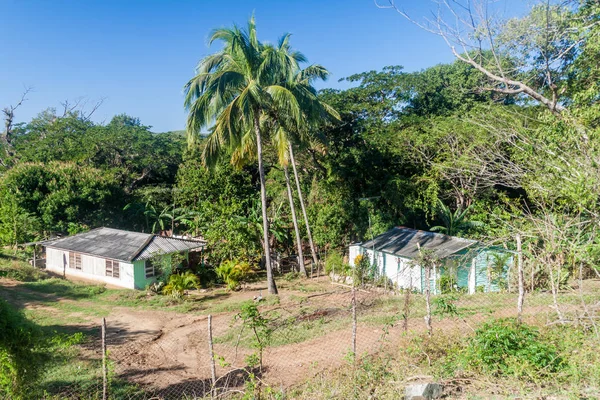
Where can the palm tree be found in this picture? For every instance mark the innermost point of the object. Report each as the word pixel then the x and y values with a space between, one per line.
pixel 314 112
pixel 454 222
pixel 234 89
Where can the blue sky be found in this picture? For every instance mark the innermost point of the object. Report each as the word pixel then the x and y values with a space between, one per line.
pixel 138 54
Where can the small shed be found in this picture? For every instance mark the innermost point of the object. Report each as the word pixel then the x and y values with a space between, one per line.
pixel 114 256
pixel 472 265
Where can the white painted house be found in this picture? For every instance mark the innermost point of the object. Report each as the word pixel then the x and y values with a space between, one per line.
pixel 396 254
pixel 113 256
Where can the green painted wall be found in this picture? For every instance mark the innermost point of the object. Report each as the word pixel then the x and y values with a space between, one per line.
pixel 483 257
pixel 139 275
pixel 139 271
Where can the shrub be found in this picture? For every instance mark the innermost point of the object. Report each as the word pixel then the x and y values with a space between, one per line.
pixel 448 283
pixel 334 263
pixel 234 273
pixel 363 270
pixel 292 276
pixel 21 271
pixel 179 283
pixel 503 347
pixel 445 306
pixel 20 362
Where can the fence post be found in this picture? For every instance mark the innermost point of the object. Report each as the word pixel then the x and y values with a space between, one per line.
pixel 353 323
pixel 428 297
pixel 104 367
pixel 213 371
pixel 427 289
pixel 521 281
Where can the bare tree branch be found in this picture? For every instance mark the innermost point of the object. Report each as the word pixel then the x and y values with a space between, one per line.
pixel 473 22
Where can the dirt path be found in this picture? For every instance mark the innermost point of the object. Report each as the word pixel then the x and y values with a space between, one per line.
pixel 168 351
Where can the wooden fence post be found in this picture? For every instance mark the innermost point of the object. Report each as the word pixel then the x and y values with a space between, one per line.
pixel 213 371
pixel 104 366
pixel 521 280
pixel 353 323
pixel 427 290
pixel 428 298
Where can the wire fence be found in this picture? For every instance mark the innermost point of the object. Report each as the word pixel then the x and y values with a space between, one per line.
pixel 288 340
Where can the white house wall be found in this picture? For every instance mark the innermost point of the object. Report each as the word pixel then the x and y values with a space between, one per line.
pixel 92 268
pixel 399 270
pixel 352 253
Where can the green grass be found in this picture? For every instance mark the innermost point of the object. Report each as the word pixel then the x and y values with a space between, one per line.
pixel 19 270
pixel 97 301
pixel 383 376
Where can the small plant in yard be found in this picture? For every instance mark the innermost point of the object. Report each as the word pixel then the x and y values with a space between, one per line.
pixel 292 276
pixel 448 281
pixel 445 306
pixel 180 283
pixel 363 270
pixel 334 264
pixel 234 273
pixel 259 325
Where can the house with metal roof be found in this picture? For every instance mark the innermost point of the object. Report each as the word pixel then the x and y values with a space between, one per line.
pixel 470 265
pixel 113 256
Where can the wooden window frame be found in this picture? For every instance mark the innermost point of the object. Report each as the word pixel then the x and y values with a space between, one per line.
pixel 112 268
pixel 149 266
pixel 75 261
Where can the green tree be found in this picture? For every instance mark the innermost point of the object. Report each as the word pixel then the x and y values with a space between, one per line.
pixel 454 222
pixel 236 88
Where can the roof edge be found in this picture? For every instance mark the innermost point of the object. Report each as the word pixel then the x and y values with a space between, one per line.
pixel 143 246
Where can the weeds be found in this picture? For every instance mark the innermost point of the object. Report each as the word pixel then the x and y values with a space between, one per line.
pixel 21 271
pixel 503 347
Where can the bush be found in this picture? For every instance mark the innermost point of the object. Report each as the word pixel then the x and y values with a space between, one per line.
pixel 179 283
pixel 234 273
pixel 292 276
pixel 448 283
pixel 445 306
pixel 363 270
pixel 20 362
pixel 21 271
pixel 334 263
pixel 503 347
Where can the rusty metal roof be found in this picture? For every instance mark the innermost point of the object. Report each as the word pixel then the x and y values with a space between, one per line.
pixel 403 242
pixel 122 245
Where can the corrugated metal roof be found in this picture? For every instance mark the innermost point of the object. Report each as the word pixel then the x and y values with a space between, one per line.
pixel 122 245
pixel 166 245
pixel 403 242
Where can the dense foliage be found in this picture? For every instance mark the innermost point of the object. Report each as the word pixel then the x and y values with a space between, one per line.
pixel 20 358
pixel 426 149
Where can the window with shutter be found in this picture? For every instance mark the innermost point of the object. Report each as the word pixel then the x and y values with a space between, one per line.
pixel 149 269
pixel 75 260
pixel 112 268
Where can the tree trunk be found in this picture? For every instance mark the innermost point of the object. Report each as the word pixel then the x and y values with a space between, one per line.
pixel 296 229
pixel 263 200
pixel 308 232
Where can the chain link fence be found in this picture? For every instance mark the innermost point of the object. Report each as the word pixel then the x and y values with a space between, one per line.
pixel 294 338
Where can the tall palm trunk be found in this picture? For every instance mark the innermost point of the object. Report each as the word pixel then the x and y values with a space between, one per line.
pixel 308 232
pixel 296 229
pixel 263 200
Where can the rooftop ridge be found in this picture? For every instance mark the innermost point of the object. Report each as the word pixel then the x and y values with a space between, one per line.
pixel 434 234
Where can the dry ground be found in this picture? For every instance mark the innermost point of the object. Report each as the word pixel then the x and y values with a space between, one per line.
pixel 164 346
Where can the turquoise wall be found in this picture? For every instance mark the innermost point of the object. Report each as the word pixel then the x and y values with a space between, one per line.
pixel 139 275
pixel 483 257
pixel 139 271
